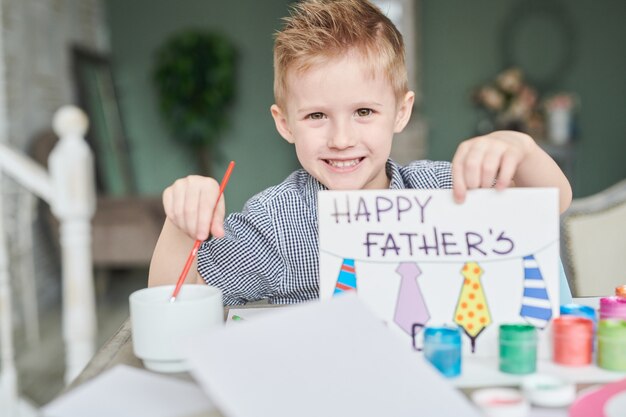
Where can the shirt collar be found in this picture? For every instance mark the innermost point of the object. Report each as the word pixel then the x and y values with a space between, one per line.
pixel 396 182
pixel 312 186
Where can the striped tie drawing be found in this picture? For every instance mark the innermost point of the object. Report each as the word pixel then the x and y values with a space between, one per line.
pixel 346 281
pixel 410 308
pixel 536 307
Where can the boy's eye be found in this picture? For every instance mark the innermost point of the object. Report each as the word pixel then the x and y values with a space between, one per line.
pixel 316 116
pixel 364 112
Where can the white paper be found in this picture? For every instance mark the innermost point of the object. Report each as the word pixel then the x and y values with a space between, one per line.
pixel 320 359
pixel 124 391
pixel 381 232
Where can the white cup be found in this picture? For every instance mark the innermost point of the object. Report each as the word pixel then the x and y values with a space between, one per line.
pixel 162 329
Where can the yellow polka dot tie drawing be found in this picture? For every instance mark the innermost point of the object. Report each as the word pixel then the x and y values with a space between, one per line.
pixel 472 312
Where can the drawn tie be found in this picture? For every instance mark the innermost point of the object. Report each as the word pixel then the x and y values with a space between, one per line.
pixel 472 312
pixel 346 281
pixel 536 308
pixel 410 308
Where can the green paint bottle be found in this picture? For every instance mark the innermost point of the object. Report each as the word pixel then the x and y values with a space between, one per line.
pixel 518 348
pixel 612 344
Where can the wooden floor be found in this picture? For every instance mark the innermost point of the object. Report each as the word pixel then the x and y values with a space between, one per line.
pixel 41 366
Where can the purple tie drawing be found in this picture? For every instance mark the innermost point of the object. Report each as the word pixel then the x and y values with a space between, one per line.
pixel 410 308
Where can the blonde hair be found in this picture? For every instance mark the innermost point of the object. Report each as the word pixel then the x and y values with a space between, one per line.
pixel 318 30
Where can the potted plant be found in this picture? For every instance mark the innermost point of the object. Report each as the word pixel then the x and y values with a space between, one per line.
pixel 194 75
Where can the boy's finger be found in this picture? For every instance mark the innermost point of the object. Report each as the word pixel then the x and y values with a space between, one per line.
pixel 458 183
pixel 167 201
pixel 217 224
pixel 490 165
pixel 205 212
pixel 459 190
pixel 178 206
pixel 472 168
pixel 192 199
pixel 507 170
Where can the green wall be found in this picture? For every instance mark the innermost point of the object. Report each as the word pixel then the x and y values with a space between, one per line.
pixel 138 28
pixel 461 49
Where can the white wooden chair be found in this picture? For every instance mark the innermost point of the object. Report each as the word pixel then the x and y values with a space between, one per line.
pixel 69 188
pixel 593 242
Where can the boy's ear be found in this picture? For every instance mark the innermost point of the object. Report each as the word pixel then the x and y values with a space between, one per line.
pixel 404 111
pixel 280 119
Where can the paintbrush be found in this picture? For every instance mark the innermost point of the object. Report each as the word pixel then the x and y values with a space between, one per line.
pixel 197 243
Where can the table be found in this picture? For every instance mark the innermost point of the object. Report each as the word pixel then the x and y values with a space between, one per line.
pixel 118 350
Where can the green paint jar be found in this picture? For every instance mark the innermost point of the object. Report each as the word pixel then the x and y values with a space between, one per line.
pixel 612 344
pixel 518 348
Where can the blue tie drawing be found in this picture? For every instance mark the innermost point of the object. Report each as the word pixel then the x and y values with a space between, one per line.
pixel 346 281
pixel 536 307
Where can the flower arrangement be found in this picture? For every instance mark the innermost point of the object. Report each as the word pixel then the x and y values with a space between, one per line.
pixel 509 102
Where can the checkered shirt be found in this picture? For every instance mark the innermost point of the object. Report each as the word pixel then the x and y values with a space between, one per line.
pixel 270 250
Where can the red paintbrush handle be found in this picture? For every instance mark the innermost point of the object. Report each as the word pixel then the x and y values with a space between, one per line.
pixel 183 274
pixel 197 243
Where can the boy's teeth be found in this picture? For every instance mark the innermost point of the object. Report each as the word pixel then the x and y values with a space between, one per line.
pixel 343 164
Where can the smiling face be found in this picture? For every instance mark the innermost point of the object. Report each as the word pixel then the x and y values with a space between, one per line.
pixel 341 118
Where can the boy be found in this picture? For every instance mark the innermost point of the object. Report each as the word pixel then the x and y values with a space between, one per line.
pixel 341 93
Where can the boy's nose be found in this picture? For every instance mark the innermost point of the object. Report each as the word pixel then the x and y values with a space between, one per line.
pixel 341 136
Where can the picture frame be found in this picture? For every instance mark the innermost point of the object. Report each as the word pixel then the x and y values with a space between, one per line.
pixel 97 96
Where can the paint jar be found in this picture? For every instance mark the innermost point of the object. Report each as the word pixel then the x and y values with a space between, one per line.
pixel 518 348
pixel 612 308
pixel 582 311
pixel 548 391
pixel 620 291
pixel 501 402
pixel 572 340
pixel 612 344
pixel 442 348
pixel 579 310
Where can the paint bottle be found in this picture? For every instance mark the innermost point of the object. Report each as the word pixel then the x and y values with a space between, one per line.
pixel 579 310
pixel 442 348
pixel 620 291
pixel 518 348
pixel 582 311
pixel 572 340
pixel 612 344
pixel 613 308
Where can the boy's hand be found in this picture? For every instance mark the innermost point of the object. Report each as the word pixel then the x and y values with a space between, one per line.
pixel 190 205
pixel 488 161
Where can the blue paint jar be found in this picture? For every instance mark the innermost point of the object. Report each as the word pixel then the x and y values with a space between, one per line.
pixel 442 348
pixel 580 311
